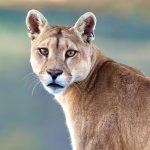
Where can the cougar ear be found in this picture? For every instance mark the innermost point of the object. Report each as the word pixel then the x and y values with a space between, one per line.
pixel 85 26
pixel 35 22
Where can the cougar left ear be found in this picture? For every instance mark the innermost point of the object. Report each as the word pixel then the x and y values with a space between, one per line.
pixel 85 26
pixel 35 22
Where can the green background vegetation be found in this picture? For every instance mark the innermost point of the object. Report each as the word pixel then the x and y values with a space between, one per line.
pixel 37 122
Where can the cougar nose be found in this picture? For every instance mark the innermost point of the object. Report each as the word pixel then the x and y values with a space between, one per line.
pixel 54 73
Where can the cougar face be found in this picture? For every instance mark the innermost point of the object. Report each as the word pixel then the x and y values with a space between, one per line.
pixel 60 56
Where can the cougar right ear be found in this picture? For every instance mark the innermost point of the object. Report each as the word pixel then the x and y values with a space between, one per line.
pixel 35 22
pixel 86 26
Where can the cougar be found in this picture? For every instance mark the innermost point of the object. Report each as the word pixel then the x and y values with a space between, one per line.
pixel 106 103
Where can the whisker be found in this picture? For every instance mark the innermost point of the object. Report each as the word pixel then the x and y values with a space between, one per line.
pixel 32 79
pixel 33 82
pixel 35 87
pixel 29 74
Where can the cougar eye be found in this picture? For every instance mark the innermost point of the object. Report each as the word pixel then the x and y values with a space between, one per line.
pixel 70 53
pixel 43 51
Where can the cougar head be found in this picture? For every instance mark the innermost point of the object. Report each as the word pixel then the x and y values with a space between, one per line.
pixel 60 56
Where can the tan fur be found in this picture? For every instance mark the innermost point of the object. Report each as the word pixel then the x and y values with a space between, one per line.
pixel 109 109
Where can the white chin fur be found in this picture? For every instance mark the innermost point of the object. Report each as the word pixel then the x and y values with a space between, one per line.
pixel 53 91
pixel 61 80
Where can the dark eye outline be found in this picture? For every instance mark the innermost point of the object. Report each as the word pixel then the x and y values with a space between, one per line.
pixel 43 51
pixel 67 55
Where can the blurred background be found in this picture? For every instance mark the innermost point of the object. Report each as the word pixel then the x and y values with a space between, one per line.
pixel 30 119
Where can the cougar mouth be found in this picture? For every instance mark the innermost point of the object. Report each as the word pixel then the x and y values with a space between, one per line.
pixel 54 85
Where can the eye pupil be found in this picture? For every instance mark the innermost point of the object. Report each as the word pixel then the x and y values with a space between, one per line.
pixel 70 53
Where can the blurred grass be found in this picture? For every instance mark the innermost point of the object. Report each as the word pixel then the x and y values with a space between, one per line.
pixel 36 122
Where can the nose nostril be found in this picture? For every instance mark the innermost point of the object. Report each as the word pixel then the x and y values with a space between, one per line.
pixel 54 73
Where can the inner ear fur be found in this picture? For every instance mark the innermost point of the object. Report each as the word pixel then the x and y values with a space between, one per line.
pixel 35 22
pixel 86 26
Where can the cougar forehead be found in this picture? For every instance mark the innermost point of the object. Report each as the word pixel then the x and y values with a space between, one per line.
pixel 57 32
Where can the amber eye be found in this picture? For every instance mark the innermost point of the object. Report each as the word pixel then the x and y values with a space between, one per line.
pixel 70 53
pixel 43 51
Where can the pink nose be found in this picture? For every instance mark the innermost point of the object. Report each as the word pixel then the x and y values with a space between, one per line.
pixel 54 73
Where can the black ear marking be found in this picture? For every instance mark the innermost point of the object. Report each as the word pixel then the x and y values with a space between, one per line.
pixel 34 25
pixel 85 26
pixel 35 22
pixel 88 31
